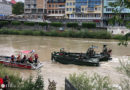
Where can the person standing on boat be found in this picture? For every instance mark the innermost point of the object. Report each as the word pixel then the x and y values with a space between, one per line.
pixel 12 58
pixel 36 58
pixel 104 49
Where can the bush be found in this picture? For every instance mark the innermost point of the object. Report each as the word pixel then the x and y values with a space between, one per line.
pixel 4 23
pixel 17 83
pixel 56 24
pixel 95 82
pixel 43 23
pixel 89 25
pixel 15 22
pixel 72 25
pixel 29 23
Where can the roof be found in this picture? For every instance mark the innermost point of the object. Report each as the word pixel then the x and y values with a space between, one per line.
pixel 13 2
pixel 54 15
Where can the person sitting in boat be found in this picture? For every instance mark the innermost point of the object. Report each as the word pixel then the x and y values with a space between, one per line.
pixel 36 58
pixel 12 58
pixel 90 52
pixel 18 58
pixel 62 52
pixel 24 59
pixel 30 59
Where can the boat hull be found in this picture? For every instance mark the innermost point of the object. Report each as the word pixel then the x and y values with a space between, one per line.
pixel 74 59
pixel 5 60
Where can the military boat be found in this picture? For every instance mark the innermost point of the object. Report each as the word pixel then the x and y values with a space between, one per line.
pixel 89 58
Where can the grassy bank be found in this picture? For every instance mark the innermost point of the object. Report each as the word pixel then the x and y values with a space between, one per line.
pixel 66 33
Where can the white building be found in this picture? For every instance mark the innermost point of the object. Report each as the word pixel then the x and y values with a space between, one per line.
pixel 5 8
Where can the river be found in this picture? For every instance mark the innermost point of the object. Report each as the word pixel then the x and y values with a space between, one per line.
pixel 12 44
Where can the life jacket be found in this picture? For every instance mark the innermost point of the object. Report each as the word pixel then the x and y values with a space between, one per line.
pixel 36 56
pixel 24 57
pixel 30 59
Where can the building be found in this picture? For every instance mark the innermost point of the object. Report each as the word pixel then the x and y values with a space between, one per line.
pixel 5 8
pixel 35 9
pixel 56 9
pixel 107 12
pixel 84 10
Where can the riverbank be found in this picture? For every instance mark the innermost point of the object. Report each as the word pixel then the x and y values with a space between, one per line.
pixel 67 33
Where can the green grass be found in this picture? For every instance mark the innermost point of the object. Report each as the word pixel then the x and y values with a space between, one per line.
pixel 66 33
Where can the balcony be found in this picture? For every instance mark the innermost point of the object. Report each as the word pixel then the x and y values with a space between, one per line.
pixel 90 18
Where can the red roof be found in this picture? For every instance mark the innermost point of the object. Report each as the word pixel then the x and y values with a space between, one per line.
pixel 13 1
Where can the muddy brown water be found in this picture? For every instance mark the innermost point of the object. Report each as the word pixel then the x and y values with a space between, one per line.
pixel 12 44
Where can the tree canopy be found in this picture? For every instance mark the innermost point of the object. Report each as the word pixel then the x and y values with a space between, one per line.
pixel 18 8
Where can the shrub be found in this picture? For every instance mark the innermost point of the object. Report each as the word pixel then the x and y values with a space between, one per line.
pixel 43 23
pixel 4 23
pixel 89 25
pixel 56 24
pixel 29 23
pixel 95 82
pixel 72 25
pixel 15 22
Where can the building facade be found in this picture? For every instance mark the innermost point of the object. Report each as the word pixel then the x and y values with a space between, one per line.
pixel 56 8
pixel 5 8
pixel 35 9
pixel 107 12
pixel 88 10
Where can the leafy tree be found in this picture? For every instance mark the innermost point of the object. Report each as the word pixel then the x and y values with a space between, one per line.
pixel 18 8
pixel 127 3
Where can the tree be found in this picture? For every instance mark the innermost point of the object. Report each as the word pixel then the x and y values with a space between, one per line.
pixel 117 8
pixel 127 3
pixel 18 8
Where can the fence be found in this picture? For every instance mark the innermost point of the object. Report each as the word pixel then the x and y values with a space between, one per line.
pixel 68 85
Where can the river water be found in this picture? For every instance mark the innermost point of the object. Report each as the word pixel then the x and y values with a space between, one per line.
pixel 12 44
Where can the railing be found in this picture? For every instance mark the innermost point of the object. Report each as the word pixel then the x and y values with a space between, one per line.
pixel 84 17
pixel 68 85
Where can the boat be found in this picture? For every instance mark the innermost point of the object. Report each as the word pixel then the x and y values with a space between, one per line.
pixel 89 58
pixel 6 61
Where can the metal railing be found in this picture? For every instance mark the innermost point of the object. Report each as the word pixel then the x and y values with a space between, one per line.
pixel 68 85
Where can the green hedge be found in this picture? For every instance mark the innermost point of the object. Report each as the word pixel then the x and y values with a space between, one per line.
pixel 56 24
pixel 73 25
pixel 42 23
pixel 89 25
pixel 4 22
pixel 29 23
pixel 15 22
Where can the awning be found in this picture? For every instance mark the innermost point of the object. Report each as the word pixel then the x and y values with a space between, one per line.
pixel 56 15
